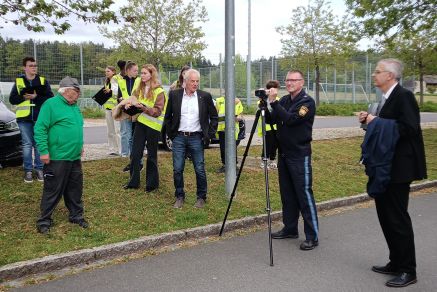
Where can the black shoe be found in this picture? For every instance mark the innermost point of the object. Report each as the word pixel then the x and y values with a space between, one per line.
pixel 44 229
pixel 388 269
pixel 284 234
pixel 403 280
pixel 126 187
pixel 309 244
pixel 127 168
pixel 81 222
pixel 150 189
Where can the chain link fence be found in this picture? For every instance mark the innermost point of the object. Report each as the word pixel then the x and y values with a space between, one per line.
pixel 345 83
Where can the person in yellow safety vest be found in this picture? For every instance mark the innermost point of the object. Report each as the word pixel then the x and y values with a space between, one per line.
pixel 29 92
pixel 151 99
pixel 220 106
pixel 126 86
pixel 113 126
pixel 271 144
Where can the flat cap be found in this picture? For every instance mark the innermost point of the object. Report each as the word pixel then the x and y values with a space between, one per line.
pixel 69 82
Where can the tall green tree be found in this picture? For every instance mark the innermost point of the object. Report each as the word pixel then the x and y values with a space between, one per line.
pixel 161 31
pixel 35 15
pixel 388 18
pixel 317 35
pixel 418 51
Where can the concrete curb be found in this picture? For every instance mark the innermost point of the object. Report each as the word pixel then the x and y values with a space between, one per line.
pixel 85 256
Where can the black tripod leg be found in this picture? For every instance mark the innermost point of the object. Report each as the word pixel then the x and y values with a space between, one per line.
pixel 258 113
pixel 266 177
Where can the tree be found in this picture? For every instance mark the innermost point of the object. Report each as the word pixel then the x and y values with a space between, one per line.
pixel 161 31
pixel 317 35
pixel 382 17
pixel 418 51
pixel 34 15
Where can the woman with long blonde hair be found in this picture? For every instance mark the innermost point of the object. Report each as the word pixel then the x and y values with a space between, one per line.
pixel 151 100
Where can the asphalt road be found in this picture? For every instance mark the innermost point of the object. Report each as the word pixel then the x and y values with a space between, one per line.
pixel 350 243
pixel 97 135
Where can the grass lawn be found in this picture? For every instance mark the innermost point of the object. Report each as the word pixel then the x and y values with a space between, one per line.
pixel 116 214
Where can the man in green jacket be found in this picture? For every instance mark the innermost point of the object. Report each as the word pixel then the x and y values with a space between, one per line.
pixel 59 139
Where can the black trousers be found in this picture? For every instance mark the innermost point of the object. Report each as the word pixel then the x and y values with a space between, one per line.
pixel 392 210
pixel 271 146
pixel 142 134
pixel 65 178
pixel 295 186
pixel 223 147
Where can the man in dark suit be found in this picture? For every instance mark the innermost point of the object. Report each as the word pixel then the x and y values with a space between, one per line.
pixel 408 164
pixel 191 120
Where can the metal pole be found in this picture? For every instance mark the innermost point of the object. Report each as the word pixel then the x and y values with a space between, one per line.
pixel 273 68
pixel 261 74
pixel 353 84
pixel 230 148
pixel 249 57
pixel 367 73
pixel 81 64
pixel 221 75
pixel 209 78
pixel 34 50
pixel 335 82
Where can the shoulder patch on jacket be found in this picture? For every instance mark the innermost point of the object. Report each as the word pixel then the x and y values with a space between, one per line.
pixel 303 111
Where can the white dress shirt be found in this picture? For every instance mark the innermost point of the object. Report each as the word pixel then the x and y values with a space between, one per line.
pixel 190 114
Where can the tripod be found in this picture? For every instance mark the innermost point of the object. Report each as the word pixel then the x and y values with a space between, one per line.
pixel 262 111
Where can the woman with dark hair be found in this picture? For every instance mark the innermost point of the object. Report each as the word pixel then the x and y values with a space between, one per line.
pixel 180 82
pixel 151 99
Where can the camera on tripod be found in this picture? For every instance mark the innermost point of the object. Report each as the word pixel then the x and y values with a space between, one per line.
pixel 262 94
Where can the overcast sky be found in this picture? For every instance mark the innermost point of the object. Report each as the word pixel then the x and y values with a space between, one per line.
pixel 266 16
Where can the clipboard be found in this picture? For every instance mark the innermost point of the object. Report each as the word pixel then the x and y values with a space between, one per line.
pixel 39 90
pixel 101 96
pixel 132 111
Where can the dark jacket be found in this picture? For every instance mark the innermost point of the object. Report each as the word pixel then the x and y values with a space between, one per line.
pixel 42 95
pixel 378 149
pixel 409 158
pixel 294 119
pixel 208 116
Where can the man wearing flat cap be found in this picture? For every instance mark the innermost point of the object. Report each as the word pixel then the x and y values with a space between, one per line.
pixel 59 138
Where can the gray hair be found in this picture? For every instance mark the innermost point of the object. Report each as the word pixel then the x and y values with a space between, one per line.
pixel 62 89
pixel 189 72
pixel 394 66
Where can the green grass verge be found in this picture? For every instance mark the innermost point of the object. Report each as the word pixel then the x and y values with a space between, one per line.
pixel 116 215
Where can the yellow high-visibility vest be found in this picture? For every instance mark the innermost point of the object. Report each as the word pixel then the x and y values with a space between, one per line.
pixel 23 108
pixel 268 127
pixel 220 105
pixel 123 86
pixel 112 101
pixel 152 122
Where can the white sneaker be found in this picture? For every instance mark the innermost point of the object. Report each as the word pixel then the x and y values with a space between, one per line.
pixel 273 165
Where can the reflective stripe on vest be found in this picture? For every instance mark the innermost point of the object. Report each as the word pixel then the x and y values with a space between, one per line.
pixel 152 122
pixel 220 105
pixel 23 108
pixel 123 87
pixel 112 101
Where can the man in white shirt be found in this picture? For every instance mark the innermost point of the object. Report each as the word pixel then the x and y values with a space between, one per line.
pixel 191 120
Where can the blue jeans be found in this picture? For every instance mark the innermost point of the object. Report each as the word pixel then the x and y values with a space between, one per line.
pixel 126 137
pixel 193 145
pixel 26 129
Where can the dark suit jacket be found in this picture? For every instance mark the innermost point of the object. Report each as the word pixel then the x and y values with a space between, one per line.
pixel 208 116
pixel 409 158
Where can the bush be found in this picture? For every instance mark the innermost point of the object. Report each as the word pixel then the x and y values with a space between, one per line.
pixel 428 106
pixel 93 112
pixel 431 88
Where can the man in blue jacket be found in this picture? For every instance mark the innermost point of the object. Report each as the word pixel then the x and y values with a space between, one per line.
pixel 408 164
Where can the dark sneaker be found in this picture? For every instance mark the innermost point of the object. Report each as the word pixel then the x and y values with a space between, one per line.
pixel 28 177
pixel 44 229
pixel 40 175
pixel 179 203
pixel 126 168
pixel 200 203
pixel 309 244
pixel 81 222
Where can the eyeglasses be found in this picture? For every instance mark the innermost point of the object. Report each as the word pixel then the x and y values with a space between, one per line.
pixel 379 72
pixel 293 80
